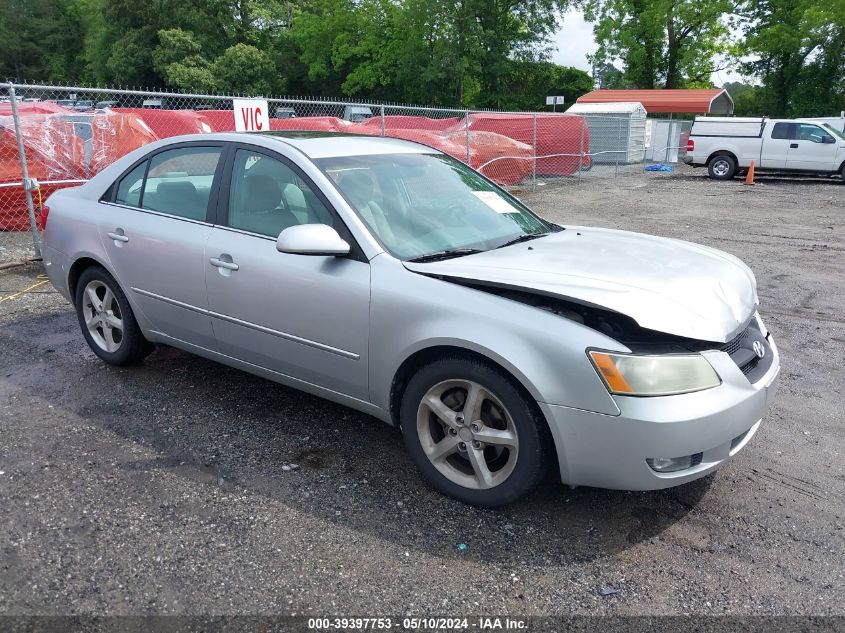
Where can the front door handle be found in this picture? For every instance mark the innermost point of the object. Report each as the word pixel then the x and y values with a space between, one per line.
pixel 793 145
pixel 118 236
pixel 222 263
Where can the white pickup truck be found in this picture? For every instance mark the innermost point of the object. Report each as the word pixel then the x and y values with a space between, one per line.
pixel 727 145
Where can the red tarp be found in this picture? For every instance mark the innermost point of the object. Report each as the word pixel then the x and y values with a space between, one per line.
pixel 218 120
pixel 558 137
pixel 393 122
pixel 37 107
pixel 502 159
pixel 166 123
pixel 312 124
pixel 63 146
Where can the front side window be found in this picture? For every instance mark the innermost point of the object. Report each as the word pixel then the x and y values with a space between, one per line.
pixel 267 196
pixel 812 133
pixel 420 204
pixel 179 181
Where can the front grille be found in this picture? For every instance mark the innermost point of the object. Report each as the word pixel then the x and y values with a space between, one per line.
pixel 740 349
pixel 695 460
pixel 734 344
pixel 748 367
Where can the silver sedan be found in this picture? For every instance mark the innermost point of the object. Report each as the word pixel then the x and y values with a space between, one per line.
pixel 386 276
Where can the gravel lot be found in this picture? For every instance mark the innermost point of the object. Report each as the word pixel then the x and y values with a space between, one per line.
pixel 182 486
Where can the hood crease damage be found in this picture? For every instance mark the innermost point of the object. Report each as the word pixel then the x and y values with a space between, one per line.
pixel 639 282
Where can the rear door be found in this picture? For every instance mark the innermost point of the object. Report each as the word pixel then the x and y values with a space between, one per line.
pixel 812 148
pixel 155 237
pixel 303 316
pixel 776 141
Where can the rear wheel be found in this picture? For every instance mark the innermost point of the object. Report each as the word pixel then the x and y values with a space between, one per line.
pixel 842 171
pixel 472 434
pixel 721 167
pixel 107 321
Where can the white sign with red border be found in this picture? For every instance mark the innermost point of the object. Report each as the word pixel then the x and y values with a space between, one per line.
pixel 251 115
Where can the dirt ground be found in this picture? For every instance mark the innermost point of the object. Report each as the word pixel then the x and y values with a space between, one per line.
pixel 184 487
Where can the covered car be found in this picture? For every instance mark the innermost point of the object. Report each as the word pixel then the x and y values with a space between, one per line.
pixel 561 139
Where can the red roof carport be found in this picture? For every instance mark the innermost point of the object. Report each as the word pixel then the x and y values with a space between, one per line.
pixel 675 101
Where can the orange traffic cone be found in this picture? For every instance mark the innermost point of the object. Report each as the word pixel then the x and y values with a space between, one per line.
pixel 749 177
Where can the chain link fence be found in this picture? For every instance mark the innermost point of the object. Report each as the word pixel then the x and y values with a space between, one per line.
pixel 57 136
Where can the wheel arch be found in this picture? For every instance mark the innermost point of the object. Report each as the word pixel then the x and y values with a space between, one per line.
pixel 433 352
pixel 722 152
pixel 79 266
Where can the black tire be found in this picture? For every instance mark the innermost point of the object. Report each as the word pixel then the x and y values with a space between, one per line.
pixel 842 172
pixel 721 167
pixel 132 347
pixel 535 444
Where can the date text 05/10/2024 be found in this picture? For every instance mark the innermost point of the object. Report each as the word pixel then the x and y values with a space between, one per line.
pixel 480 623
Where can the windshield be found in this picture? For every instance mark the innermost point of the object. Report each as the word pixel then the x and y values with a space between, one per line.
pixel 421 204
pixel 835 132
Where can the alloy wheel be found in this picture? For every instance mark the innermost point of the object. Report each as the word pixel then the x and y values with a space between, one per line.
pixel 102 315
pixel 467 434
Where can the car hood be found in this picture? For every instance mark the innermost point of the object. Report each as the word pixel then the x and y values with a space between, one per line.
pixel 663 284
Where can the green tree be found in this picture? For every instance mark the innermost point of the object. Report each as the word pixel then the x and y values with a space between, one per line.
pixel 660 43
pixel 747 98
pixel 244 69
pixel 180 61
pixel 799 54
pixel 608 76
pixel 40 39
pixel 526 85
pixel 434 51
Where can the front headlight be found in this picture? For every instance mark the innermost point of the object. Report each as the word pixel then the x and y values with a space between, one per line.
pixel 665 375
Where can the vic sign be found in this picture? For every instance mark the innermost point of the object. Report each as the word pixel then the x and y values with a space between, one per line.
pixel 251 115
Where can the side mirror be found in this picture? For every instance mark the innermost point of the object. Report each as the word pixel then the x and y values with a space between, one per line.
pixel 828 139
pixel 311 239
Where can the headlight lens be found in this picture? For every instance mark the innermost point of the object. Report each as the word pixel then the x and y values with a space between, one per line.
pixel 665 375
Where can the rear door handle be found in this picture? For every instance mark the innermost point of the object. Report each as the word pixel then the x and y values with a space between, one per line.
pixel 793 145
pixel 118 236
pixel 221 263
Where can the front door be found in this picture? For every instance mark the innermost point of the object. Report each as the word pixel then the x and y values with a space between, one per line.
pixel 154 228
pixel 303 316
pixel 812 148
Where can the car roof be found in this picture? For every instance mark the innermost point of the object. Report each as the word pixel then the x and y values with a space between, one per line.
pixel 336 144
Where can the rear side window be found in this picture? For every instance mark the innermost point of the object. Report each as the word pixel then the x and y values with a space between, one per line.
pixel 179 181
pixel 129 188
pixel 781 130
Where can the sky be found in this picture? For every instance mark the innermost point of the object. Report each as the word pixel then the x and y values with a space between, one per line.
pixel 574 41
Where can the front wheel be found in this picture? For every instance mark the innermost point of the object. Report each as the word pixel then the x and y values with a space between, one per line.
pixel 107 321
pixel 472 434
pixel 721 167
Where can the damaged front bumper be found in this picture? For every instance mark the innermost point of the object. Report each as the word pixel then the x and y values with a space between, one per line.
pixel 709 426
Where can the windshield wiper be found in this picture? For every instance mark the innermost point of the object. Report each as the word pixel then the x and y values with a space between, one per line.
pixel 522 238
pixel 447 254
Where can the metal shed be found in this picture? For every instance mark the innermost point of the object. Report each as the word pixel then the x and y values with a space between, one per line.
pixel 673 101
pixel 617 131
